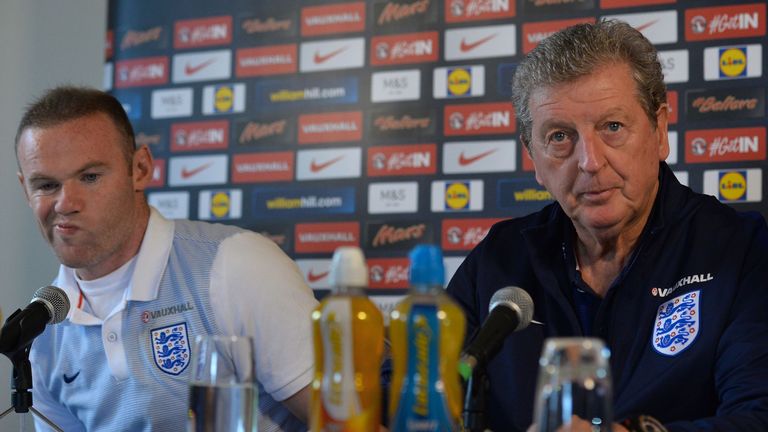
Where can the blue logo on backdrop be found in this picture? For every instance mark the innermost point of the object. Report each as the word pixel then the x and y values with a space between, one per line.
pixel 291 201
pixel 131 104
pixel 290 92
pixel 504 77
pixel 170 348
pixel 522 196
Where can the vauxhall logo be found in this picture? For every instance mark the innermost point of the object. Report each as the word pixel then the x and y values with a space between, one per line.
pixel 148 316
pixel 697 278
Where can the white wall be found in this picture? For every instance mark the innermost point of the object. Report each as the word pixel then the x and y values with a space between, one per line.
pixel 42 43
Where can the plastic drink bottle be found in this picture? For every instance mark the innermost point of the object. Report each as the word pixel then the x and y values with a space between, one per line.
pixel 348 333
pixel 426 331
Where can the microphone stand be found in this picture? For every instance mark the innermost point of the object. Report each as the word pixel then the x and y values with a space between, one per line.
pixel 474 412
pixel 21 397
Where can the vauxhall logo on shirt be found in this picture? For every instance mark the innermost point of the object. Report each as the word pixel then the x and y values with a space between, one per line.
pixel 687 280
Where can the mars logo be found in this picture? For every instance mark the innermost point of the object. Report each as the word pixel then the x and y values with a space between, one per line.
pixel 141 72
pixel 388 272
pixel 402 160
pixel 136 38
pixel 199 136
pixel 464 234
pixel 257 132
pixel 400 235
pixel 404 48
pixel 203 32
pixel 472 10
pixel 733 186
pixel 725 22
pixel 398 13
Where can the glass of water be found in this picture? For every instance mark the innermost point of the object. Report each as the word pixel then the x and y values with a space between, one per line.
pixel 574 386
pixel 223 394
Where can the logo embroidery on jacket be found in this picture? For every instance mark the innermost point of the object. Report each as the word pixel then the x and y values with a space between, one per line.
pixel 171 348
pixel 697 278
pixel 677 324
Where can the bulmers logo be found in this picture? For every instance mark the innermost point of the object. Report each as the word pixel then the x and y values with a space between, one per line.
pixel 141 72
pixel 220 204
pixel 404 14
pixel 388 273
pixel 292 201
pixel 399 235
pixel 330 127
pixel 724 22
pixel 479 156
pixel 535 32
pixel 479 119
pixel 272 23
pixel 464 234
pixel 197 170
pixel 328 163
pixel 277 130
pixel 730 62
pixel 326 237
pixel 480 42
pixel 397 197
pixel 202 66
pixel 725 104
pixel 332 55
pixel 458 81
pixel 404 48
pixel 153 38
pixel 659 27
pixel 725 145
pixel 411 159
pixel 333 18
pixel 475 10
pixel 262 167
pixel 202 32
pixel 734 186
pixel 210 135
pixel 401 123
pixel 457 195
pixel 268 60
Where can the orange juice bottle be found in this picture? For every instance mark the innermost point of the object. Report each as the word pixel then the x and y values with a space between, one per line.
pixel 348 332
pixel 426 331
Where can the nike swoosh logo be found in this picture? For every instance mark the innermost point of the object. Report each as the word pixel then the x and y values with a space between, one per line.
pixel 317 167
pixel 325 57
pixel 185 173
pixel 69 379
pixel 191 70
pixel 464 46
pixel 464 161
pixel 314 277
pixel 646 25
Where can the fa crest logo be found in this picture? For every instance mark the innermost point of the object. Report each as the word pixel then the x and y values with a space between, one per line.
pixel 677 324
pixel 171 348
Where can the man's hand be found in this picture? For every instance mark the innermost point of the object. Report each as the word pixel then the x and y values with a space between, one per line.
pixel 578 424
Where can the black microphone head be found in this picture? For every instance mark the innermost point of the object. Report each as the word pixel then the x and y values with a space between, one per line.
pixel 516 299
pixel 55 300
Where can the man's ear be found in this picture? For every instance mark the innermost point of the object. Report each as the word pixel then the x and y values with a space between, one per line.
pixel 143 168
pixel 662 134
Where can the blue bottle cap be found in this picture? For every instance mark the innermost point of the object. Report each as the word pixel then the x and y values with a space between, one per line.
pixel 427 265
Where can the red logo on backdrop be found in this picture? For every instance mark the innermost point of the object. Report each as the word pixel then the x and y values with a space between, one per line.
pixel 535 32
pixel 673 106
pixel 158 173
pixel 394 12
pixel 134 38
pixel 262 167
pixel 330 127
pixel 402 160
pixel 268 60
pixel 202 32
pixel 610 4
pixel 479 119
pixel 725 145
pixel 465 234
pixel 474 10
pixel 335 18
pixel 724 22
pixel 326 237
pixel 404 48
pixel 527 161
pixel 109 44
pixel 208 135
pixel 141 72
pixel 388 272
pixel 255 131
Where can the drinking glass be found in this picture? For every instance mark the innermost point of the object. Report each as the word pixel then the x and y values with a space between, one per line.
pixel 223 394
pixel 574 386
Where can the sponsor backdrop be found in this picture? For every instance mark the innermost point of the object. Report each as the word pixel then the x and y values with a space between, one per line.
pixel 386 123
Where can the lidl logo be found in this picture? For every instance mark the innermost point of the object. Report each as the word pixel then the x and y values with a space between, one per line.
pixel 223 99
pixel 459 82
pixel 457 195
pixel 733 186
pixel 220 204
pixel 733 62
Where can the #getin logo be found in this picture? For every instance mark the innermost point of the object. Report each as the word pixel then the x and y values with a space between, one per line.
pixel 733 186
pixel 733 62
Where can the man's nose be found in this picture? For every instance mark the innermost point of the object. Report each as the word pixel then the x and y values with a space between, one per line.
pixel 70 198
pixel 591 152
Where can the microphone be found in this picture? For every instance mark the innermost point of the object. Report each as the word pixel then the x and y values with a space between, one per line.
pixel 511 309
pixel 50 305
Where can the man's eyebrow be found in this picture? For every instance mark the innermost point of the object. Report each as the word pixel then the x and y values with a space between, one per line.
pixel 90 165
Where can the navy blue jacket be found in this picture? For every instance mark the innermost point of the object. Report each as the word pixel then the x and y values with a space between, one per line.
pixel 692 243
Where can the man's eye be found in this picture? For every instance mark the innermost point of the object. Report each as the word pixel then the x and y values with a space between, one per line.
pixel 614 126
pixel 47 186
pixel 558 137
pixel 90 177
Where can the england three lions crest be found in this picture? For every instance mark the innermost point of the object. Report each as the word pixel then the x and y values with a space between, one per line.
pixel 170 348
pixel 677 324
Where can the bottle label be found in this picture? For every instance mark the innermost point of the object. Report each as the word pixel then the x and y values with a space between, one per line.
pixel 340 399
pixel 422 406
